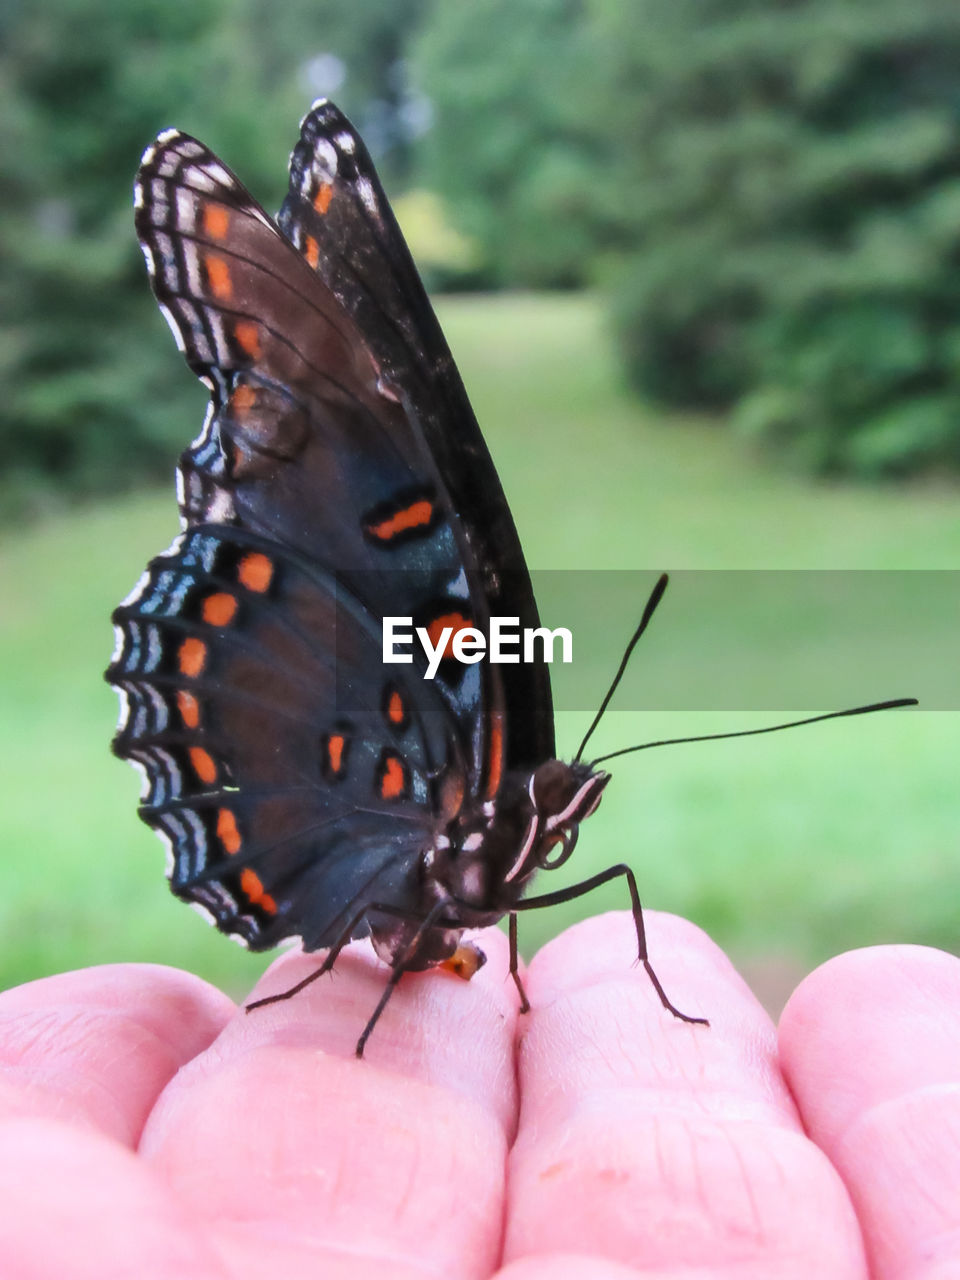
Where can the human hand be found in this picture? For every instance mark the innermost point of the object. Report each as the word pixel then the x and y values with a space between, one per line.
pixel 638 1145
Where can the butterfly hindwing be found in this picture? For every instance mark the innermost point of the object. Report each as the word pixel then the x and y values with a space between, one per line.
pixel 287 783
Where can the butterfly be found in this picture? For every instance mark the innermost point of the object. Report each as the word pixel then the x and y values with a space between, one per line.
pixel 303 787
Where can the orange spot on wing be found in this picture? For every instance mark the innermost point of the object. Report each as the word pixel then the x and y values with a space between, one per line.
pixel 216 221
pixel 252 886
pixel 396 712
pixel 247 334
pixel 335 744
pixel 456 621
pixel 495 756
pixel 321 201
pixel 218 275
pixel 227 831
pixel 192 656
pixel 393 780
pixel 243 398
pixel 255 571
pixel 311 251
pixel 413 517
pixel 219 609
pixel 189 708
pixel 203 765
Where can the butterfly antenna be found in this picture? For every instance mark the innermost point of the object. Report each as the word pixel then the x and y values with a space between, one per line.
pixel 656 595
pixel 749 733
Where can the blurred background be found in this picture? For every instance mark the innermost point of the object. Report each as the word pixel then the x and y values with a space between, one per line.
pixel 699 262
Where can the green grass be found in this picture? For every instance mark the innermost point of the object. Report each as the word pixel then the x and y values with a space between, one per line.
pixel 799 845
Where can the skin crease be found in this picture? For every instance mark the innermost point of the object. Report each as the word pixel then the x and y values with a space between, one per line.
pixel 149 1128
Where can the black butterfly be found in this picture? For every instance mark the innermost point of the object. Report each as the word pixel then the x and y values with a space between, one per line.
pixel 305 788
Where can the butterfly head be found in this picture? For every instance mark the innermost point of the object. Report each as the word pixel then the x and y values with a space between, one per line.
pixel 562 796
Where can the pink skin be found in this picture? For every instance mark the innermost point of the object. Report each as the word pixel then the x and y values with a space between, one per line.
pixel 150 1129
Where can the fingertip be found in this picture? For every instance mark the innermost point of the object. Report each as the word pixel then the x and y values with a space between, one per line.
pixel 174 1003
pixel 98 1045
pixel 75 1203
pixel 280 1123
pixel 623 1105
pixel 870 1044
pixel 696 975
pixel 867 1026
pixel 437 1026
pixel 568 1266
pixel 595 1011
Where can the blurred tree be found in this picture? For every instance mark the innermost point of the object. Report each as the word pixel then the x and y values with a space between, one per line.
pixel 790 178
pixel 84 86
pixel 359 56
pixel 95 395
pixel 515 145
pixel 771 191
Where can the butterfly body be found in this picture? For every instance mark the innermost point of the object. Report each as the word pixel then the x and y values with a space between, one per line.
pixel 479 866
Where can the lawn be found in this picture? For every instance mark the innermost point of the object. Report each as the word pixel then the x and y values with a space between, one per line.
pixel 786 848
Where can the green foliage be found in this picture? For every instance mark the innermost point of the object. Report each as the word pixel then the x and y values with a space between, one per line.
pixel 85 95
pixel 790 181
pixel 771 195
pixel 95 394
pixel 445 258
pixel 513 147
pixel 357 54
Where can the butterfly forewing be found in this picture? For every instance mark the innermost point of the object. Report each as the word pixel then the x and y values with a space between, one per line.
pixel 302 442
pixel 294 388
pixel 338 216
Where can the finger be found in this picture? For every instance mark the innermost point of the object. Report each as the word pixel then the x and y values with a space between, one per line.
pixel 659 1145
pixel 871 1049
pixel 77 1204
pixel 567 1266
pixel 394 1162
pixel 97 1046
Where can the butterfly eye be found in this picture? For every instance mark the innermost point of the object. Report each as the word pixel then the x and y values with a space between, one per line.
pixel 567 840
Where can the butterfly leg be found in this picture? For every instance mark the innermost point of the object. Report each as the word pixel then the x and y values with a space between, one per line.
pixel 585 886
pixel 399 967
pixel 330 958
pixel 515 964
pixel 291 991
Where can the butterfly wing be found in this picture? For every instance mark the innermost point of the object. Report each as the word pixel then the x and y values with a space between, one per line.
pixel 304 441
pixel 337 215
pixel 291 774
pixel 339 477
